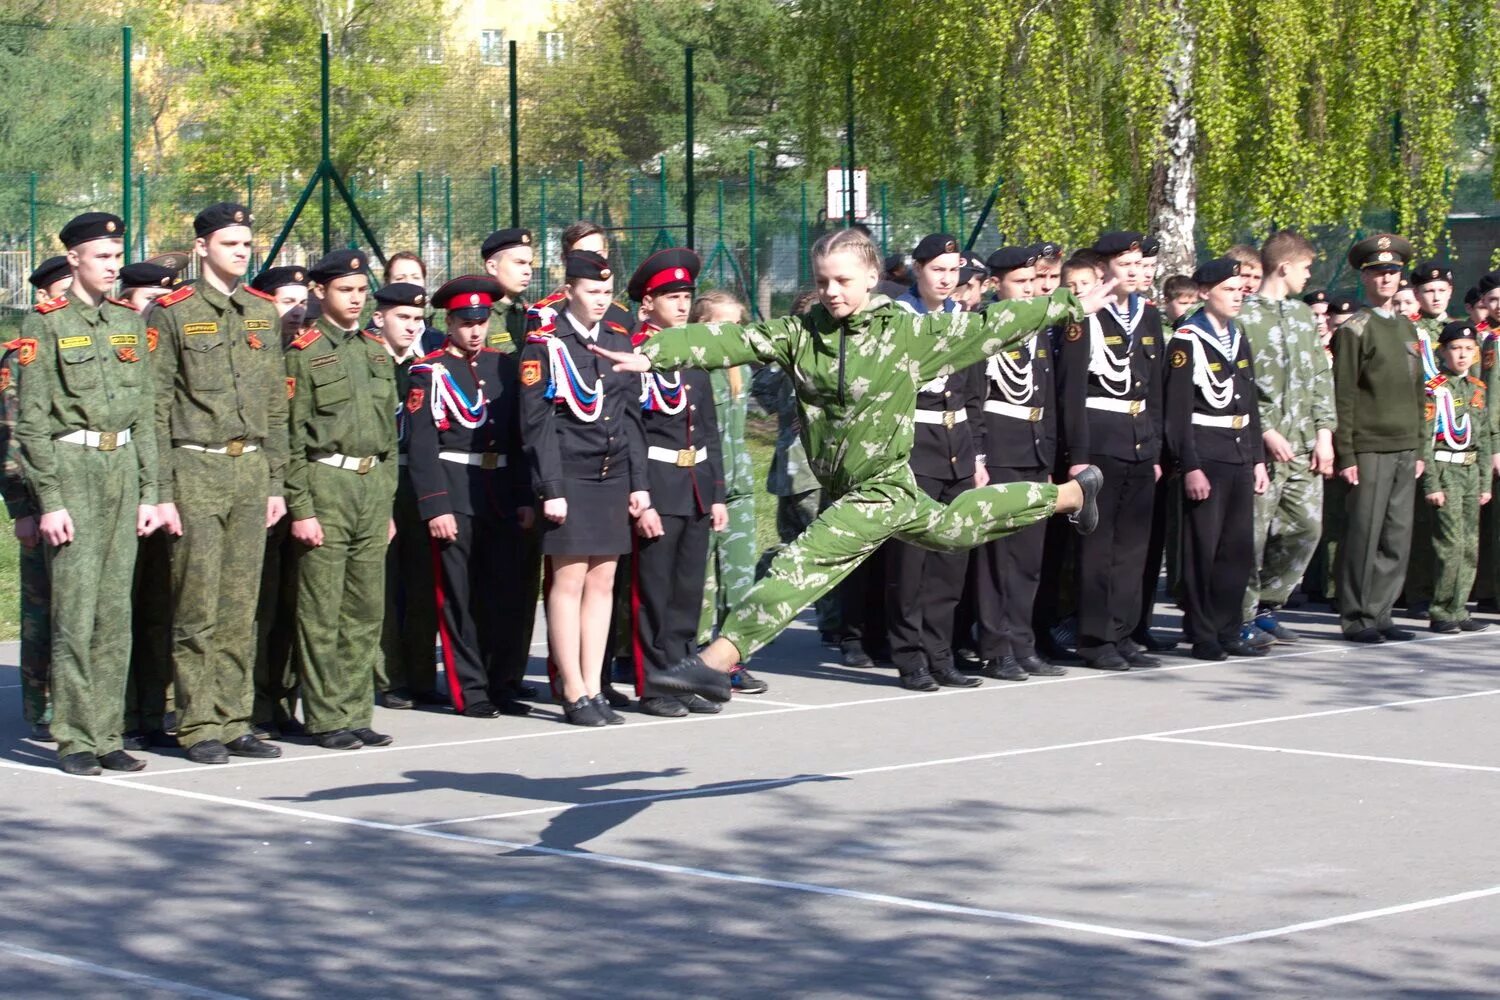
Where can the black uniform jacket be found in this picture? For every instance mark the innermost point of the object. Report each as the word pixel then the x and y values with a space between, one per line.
pixel 1131 343
pixel 1193 348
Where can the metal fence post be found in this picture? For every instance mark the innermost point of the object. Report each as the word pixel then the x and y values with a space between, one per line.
pixel 494 197
pixel 542 210
pixel 885 222
pixel 942 206
pixel 143 214
pixel 31 197
pixel 751 275
pixel 515 143
pixel 689 197
pixel 802 262
pixel 421 248
pixel 447 228
pixel 849 139
pixel 126 152
pixel 580 190
pixel 327 161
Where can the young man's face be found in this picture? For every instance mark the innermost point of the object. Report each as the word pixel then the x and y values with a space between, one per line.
pixel 291 305
pixel 669 309
pixel 1406 302
pixel 1019 283
pixel 593 242
pixel 1125 268
pixel 1336 320
pixel 512 268
pixel 1296 273
pixel 400 326
pixel 406 272
pixel 970 294
pixel 1224 300
pixel 1380 285
pixel 1478 312
pixel 53 289
pixel 140 298
pixel 1250 276
pixel 96 264
pixel 226 251
pixel 1148 273
pixel 1081 279
pixel 1180 305
pixel 1460 355
pixel 1433 298
pixel 1048 275
pixel 844 282
pixel 467 334
pixel 1490 303
pixel 1320 313
pixel 938 277
pixel 344 299
pixel 589 300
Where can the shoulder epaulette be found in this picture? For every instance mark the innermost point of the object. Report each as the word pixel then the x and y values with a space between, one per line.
pixel 11 345
pixel 612 325
pixel 374 336
pixel 1476 382
pixel 120 302
pixel 549 300
pixel 1436 381
pixel 258 293
pixel 538 337
pixel 305 340
pixel 433 356
pixel 52 305
pixel 172 298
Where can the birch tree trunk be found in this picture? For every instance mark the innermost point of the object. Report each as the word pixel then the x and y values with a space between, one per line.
pixel 1173 202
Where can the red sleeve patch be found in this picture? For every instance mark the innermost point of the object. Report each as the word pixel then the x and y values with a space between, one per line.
pixel 25 350
pixel 531 372
pixel 414 400
pixel 291 387
pixel 153 335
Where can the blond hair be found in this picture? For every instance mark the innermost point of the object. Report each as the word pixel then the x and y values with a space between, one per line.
pixel 710 302
pixel 847 241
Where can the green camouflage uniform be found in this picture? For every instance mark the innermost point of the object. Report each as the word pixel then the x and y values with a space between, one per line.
pixel 856 381
pixel 36 589
pixel 1295 388
pixel 1419 579
pixel 731 552
pixel 220 385
pixel 1461 477
pixel 89 373
pixel 343 388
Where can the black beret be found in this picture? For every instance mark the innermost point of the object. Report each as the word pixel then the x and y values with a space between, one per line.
pixel 504 239
pixel 49 271
pixel 1488 283
pixel 401 293
pixel 894 261
pixel 1046 249
pixel 1316 298
pixel 672 270
pixel 469 296
pixel 1342 305
pixel 1471 297
pixel 1150 246
pixel 1111 244
pixel 1385 252
pixel 221 216
pixel 1405 284
pixel 338 264
pixel 933 246
pixel 273 278
pixel 1009 259
pixel 1216 271
pixel 972 268
pixel 175 261
pixel 145 275
pixel 586 264
pixel 1460 330
pixel 91 226
pixel 1429 271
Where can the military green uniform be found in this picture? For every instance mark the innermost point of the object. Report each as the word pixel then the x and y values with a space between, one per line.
pixel 341 470
pixel 1419 568
pixel 1456 446
pixel 731 552
pixel 221 424
pixel 1294 386
pixel 856 381
pixel 88 446
pixel 36 589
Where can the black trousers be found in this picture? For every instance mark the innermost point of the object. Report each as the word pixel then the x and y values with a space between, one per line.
pixel 1156 549
pixel 1218 553
pixel 480 594
pixel 862 606
pixel 922 590
pixel 667 578
pixel 515 638
pixel 1010 570
pixel 1112 559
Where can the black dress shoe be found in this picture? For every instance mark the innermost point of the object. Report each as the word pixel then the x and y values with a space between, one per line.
pixel 119 760
pixel 522 690
pixel 1140 659
pixel 1007 668
pixel 430 698
pixel 293 727
pixel 1370 635
pixel 1470 625
pixel 918 680
pixel 510 706
pixel 690 675
pixel 1239 647
pixel 1110 660
pixel 830 639
pixel 265 731
pixel 249 746
pixel 701 706
pixel 1153 643
pixel 82 763
pixel 371 738
pixel 339 739
pixel 664 707
pixel 41 732
pixel 136 739
pixel 1445 628
pixel 397 698
pixel 208 752
pixel 1086 518
pixel 1209 651
pixel 584 712
pixel 480 710
pixel 1038 667
pixel 855 656
pixel 1055 654
pixel 1394 634
pixel 950 677
pixel 616 699
pixel 601 702
pixel 162 740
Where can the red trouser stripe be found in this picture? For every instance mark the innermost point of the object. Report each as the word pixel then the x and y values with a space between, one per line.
pixel 455 686
pixel 637 651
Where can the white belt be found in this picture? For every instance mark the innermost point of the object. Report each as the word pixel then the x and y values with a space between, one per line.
pixel 684 459
pixel 233 448
pixel 1456 457
pixel 1134 407
pixel 349 463
pixel 483 459
pixel 1029 413
pixel 1234 422
pixel 99 440
pixel 945 417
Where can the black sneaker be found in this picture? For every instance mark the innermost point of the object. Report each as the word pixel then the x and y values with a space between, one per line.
pixel 371 738
pixel 1444 627
pixel 664 707
pixel 80 764
pixel 1086 518
pixel 690 675
pixel 119 760
pixel 700 706
pixel 918 680
pixel 743 681
pixel 1038 667
pixel 1470 625
pixel 855 656
pixel 249 746
pixel 1007 668
pixel 208 752
pixel 41 732
pixel 136 739
pixel 951 677
pixel 397 698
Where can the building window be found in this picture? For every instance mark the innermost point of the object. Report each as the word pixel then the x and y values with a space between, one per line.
pixel 492 47
pixel 432 50
pixel 554 46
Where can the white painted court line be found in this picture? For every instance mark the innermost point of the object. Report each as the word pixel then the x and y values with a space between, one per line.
pixel 1351 918
pixel 9 687
pixel 1445 765
pixel 139 979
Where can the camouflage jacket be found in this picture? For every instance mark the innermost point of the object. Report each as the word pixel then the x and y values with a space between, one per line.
pixel 739 469
pixel 1293 377
pixel 18 499
pixel 1469 430
pixel 790 474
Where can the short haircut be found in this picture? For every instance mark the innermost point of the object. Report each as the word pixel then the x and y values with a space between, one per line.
pixel 804 302
pixel 1244 253
pixel 1081 260
pixel 578 231
pixel 710 302
pixel 399 256
pixel 847 241
pixel 1179 284
pixel 1283 247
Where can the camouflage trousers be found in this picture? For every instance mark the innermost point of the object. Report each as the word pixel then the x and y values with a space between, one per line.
pixel 36 635
pixel 1455 540
pixel 1318 582
pixel 793 515
pixel 1288 524
pixel 857 523
pixel 731 568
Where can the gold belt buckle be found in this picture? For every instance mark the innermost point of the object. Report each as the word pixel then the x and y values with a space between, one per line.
pixel 1136 406
pixel 366 464
pixel 1035 414
pixel 687 458
pixel 109 440
pixel 948 420
pixel 1238 422
pixel 235 448
pixel 1470 457
pixel 489 460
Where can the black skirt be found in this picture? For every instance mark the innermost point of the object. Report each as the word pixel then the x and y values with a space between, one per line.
pixel 598 522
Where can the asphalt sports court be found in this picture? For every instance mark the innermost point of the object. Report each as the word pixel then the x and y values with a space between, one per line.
pixel 1322 821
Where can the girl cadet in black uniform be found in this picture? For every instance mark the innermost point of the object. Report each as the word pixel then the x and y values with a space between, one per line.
pixel 581 423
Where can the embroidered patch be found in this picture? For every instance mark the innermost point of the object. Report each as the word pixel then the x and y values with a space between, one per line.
pixel 4 378
pixel 1179 359
pixel 196 328
pixel 327 359
pixel 1213 366
pixel 1242 363
pixel 1148 340
pixel 68 343
pixel 123 340
pixel 1114 341
pixel 1075 331
pixel 291 387
pixel 414 400
pixel 259 325
pixel 152 336
pixel 255 342
pixel 26 350
pixel 127 354
pixel 531 372
pixel 1430 410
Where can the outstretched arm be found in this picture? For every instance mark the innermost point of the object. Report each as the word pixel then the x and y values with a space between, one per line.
pixel 709 345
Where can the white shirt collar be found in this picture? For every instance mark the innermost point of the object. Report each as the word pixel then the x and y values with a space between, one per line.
pixel 587 333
